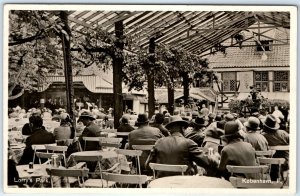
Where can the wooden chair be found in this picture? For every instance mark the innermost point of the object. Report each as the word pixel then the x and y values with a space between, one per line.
pixel 124 179
pixel 122 134
pixel 272 161
pixel 43 155
pixel 58 150
pixel 142 147
pixel 39 147
pixel 243 183
pixel 259 170
pixel 111 142
pixel 167 167
pixel 281 148
pixel 109 130
pixel 94 182
pixel 62 172
pixel 90 139
pixel 134 154
pixel 267 153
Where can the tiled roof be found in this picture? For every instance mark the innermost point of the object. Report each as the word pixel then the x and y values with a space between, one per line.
pixel 248 57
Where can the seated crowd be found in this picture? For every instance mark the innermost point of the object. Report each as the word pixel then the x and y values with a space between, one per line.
pixel 205 142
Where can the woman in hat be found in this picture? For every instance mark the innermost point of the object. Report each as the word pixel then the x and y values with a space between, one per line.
pixel 253 136
pixel 275 137
pixel 178 150
pixel 65 130
pixel 236 152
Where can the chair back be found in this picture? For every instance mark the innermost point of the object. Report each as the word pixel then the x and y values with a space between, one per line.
pixel 61 149
pixel 267 153
pixel 125 179
pixel 280 148
pixel 43 155
pixel 258 170
pixel 272 161
pixel 83 158
pixel 132 153
pixel 240 183
pixel 62 172
pixel 90 139
pixel 111 142
pixel 39 147
pixel 109 130
pixel 142 147
pixel 168 167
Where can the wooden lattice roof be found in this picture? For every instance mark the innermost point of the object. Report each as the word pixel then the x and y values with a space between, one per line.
pixel 195 31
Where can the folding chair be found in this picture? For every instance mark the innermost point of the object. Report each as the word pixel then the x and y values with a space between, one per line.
pixel 97 159
pixel 134 154
pixel 167 167
pixel 267 153
pixel 43 155
pixel 90 139
pixel 272 161
pixel 243 183
pixel 124 179
pixel 39 147
pixel 58 150
pixel 142 147
pixel 280 147
pixel 259 170
pixel 109 130
pixel 111 142
pixel 62 172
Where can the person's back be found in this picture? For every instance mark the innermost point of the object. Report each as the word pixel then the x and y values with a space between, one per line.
pixel 62 132
pixel 257 140
pixel 136 137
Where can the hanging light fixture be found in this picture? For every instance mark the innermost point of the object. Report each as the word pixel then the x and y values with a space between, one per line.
pixel 264 57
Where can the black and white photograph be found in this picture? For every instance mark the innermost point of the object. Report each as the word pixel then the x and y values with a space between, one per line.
pixel 144 97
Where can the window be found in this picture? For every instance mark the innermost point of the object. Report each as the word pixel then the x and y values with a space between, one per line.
pixel 265 44
pixel 281 81
pixel 229 81
pixel 261 79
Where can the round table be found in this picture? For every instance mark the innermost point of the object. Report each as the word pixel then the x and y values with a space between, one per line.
pixel 189 182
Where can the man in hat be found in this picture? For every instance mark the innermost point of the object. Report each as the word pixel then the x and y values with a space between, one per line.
pixel 90 130
pixel 158 123
pixel 253 136
pixel 197 133
pixel 236 152
pixel 275 137
pixel 124 127
pixel 212 138
pixel 178 150
pixel 143 135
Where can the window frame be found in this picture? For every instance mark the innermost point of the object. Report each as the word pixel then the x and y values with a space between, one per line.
pixel 261 81
pixel 235 79
pixel 281 82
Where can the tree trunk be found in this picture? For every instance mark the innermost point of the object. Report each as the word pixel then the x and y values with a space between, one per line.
pixel 171 92
pixel 117 75
pixel 67 64
pixel 12 97
pixel 186 88
pixel 151 93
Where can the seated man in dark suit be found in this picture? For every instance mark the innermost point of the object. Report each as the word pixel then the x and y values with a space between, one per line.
pixel 39 136
pixel 158 123
pixel 178 150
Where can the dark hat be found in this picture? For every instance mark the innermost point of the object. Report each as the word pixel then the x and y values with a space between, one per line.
pixel 231 129
pixel 221 124
pixel 218 118
pixel 87 114
pixel 176 120
pixel 200 121
pixel 213 134
pixel 195 113
pixel 252 123
pixel 142 119
pixel 229 117
pixel 271 123
pixel 159 118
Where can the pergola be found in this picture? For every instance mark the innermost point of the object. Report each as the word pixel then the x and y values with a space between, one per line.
pixel 195 31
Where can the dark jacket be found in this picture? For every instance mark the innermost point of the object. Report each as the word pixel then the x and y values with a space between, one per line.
pixel 237 153
pixel 144 135
pixel 178 150
pixel 125 128
pixel 91 130
pixel 195 135
pixel 39 136
pixel 162 129
pixel 257 140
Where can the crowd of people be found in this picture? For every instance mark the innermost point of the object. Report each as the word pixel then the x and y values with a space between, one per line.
pixel 206 142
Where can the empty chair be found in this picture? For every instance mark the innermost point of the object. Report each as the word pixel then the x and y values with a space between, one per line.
pixel 167 167
pixel 122 179
pixel 43 155
pixel 39 147
pixel 58 150
pixel 62 172
pixel 243 183
pixel 111 142
pixel 135 154
pixel 256 172
pixel 272 161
